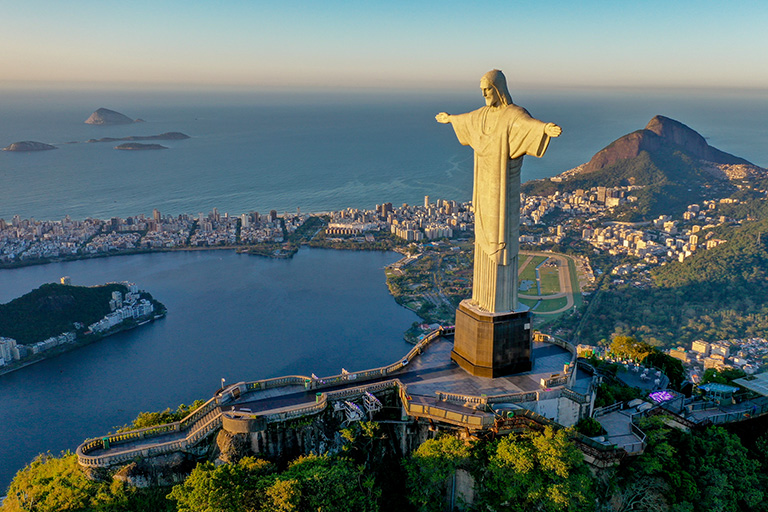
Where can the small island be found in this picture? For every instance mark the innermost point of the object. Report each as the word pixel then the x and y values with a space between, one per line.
pixel 162 136
pixel 104 116
pixel 29 145
pixel 137 146
pixel 56 318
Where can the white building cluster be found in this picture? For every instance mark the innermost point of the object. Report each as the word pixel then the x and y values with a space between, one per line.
pixel 53 341
pixel 29 239
pixel 215 229
pixel 255 228
pixel 167 232
pixel 9 351
pixel 412 223
pixel 442 219
pixel 123 308
pixel 664 239
pixel 749 354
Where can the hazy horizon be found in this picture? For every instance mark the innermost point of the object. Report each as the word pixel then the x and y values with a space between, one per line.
pixel 400 45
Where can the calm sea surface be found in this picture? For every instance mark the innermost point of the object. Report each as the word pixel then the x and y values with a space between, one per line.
pixel 233 316
pixel 242 317
pixel 264 152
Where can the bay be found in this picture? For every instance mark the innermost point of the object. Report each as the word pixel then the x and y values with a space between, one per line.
pixel 230 316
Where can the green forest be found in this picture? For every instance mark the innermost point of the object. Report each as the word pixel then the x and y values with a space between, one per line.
pixel 715 294
pixel 699 471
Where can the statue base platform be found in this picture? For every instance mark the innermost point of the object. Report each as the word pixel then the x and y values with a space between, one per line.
pixel 492 344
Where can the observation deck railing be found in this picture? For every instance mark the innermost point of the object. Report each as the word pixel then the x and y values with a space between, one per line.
pixel 201 422
pixel 197 425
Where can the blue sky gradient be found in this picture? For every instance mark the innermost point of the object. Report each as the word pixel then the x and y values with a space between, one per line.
pixel 395 44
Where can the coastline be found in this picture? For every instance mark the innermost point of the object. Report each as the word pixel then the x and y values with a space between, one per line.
pixel 127 252
pixel 239 249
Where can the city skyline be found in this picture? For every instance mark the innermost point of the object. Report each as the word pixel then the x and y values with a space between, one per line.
pixel 299 45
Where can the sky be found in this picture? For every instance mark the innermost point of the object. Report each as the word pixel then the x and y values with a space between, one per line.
pixel 392 44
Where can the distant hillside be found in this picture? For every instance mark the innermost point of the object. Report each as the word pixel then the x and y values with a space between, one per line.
pixel 715 294
pixel 742 261
pixel 673 163
pixel 52 309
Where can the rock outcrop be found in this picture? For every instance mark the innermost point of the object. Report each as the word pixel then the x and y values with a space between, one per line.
pixel 104 116
pixel 136 146
pixel 162 136
pixel 29 145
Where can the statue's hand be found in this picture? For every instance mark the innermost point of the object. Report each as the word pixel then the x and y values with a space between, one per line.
pixel 443 118
pixel 552 130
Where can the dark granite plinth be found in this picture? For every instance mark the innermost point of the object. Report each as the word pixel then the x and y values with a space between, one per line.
pixel 492 344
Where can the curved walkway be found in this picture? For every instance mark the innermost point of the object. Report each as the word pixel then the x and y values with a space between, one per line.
pixel 430 385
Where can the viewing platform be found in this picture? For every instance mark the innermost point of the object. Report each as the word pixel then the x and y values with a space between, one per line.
pixel 429 387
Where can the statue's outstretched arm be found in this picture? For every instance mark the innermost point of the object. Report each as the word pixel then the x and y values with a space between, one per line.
pixel 443 118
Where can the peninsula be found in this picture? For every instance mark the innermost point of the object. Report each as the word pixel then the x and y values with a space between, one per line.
pixel 55 318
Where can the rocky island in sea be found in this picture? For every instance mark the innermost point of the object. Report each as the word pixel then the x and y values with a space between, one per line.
pixel 104 116
pixel 162 136
pixel 28 145
pixel 137 146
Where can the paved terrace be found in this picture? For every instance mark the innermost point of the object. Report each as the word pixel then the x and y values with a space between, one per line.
pixel 711 412
pixel 621 430
pixel 427 373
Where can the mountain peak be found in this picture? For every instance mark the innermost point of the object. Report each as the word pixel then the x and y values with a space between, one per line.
pixel 660 133
pixel 675 132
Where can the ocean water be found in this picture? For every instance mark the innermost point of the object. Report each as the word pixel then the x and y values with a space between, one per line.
pixel 258 152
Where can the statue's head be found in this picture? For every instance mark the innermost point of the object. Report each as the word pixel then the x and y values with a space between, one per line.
pixel 494 87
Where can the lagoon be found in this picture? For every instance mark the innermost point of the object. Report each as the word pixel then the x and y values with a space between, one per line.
pixel 230 316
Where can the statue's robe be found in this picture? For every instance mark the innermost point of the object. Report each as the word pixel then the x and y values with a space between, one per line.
pixel 500 138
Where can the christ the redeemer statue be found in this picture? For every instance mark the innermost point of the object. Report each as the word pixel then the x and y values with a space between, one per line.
pixel 500 133
pixel 493 333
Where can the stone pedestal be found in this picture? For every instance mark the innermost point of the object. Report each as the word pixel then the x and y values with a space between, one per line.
pixel 492 344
